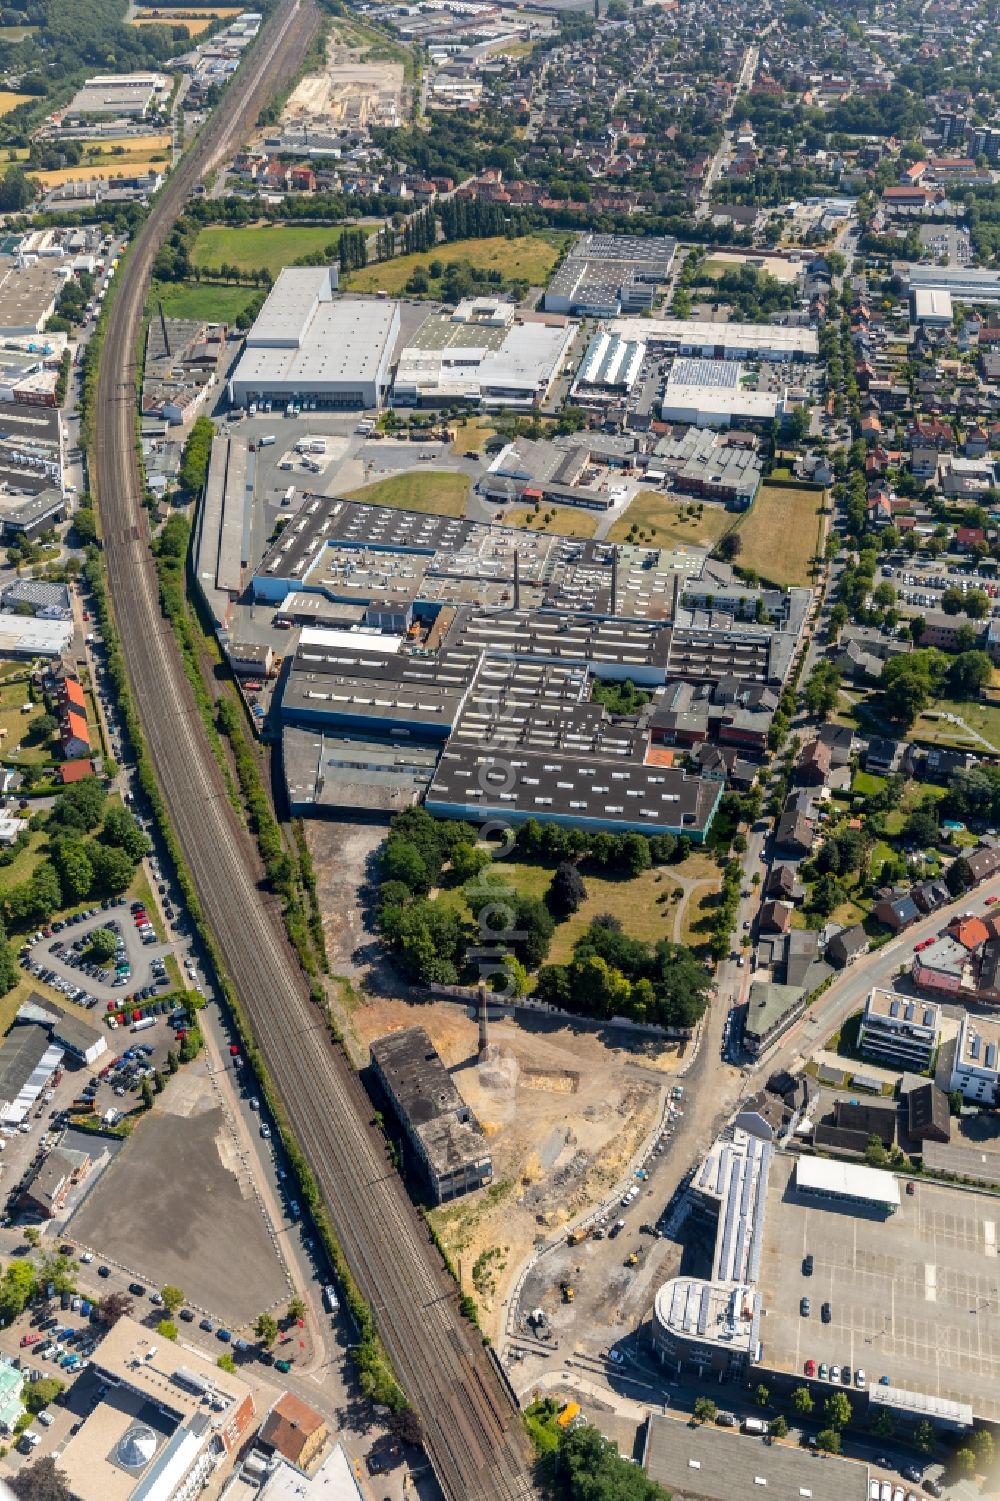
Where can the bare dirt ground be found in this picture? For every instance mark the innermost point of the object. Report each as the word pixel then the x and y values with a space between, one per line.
pixel 348 93
pixel 564 1107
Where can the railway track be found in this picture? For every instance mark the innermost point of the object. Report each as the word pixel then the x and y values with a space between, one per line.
pixel 473 1435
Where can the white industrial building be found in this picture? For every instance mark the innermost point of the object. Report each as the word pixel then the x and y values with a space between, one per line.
pixel 721 341
pixel 485 364
pixel 931 306
pixel 710 393
pixel 964 282
pixel 310 343
pixel 610 364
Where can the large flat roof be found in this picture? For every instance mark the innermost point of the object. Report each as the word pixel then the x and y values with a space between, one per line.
pixel 718 1464
pixel 846 1179
pixel 694 332
pixel 305 333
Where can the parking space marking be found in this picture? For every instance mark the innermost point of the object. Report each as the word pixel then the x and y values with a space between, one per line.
pixel 930 1282
pixel 990 1235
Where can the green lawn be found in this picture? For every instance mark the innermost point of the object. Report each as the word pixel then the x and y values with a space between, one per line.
pixel 780 534
pixel 865 783
pixel 667 522
pixel 25 863
pixel 528 258
pixel 636 903
pixel 215 304
pixel 564 521
pixel 16 727
pixel 435 491
pixel 251 246
pixel 983 718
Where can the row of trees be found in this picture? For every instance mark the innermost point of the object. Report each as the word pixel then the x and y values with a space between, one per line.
pixel 77 867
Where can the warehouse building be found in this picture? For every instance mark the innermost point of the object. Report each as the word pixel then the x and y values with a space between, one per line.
pixel 610 367
pixel 28 1059
pixel 962 282
pixel 29 288
pixel 128 94
pixel 699 1462
pixel 604 275
pixel 722 341
pixel 931 307
pixel 440 1126
pixel 486 353
pixel 311 344
pixel 711 393
pixel 701 462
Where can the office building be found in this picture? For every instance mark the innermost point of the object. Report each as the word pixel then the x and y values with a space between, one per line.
pixel 898 1030
pixel 712 1325
pixel 976 1069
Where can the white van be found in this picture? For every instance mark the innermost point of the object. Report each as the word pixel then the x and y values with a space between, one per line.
pixel 754 1425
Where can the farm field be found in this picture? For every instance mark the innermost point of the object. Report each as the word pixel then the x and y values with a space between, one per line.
pixel 272 246
pixel 780 534
pixel 529 259
pixel 191 26
pixel 9 101
pixel 669 523
pixel 214 303
pixel 436 492
pixel 564 521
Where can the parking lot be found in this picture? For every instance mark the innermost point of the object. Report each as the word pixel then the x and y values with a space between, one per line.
pixel 918 585
pixel 61 956
pixel 179 1205
pixel 915 1297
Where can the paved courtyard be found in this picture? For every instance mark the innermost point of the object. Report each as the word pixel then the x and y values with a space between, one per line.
pixel 177 1205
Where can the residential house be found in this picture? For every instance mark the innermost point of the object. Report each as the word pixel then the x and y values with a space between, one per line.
pixel 884 758
pixel 847 945
pixel 771 1010
pixel 814 764
pixel 294 1430
pixel 976 1070
pixel 897 1029
pixel 794 834
pixel 775 917
pixel 928 1115
pixel 970 932
pixel 897 911
pixel 783 884
pixel 942 966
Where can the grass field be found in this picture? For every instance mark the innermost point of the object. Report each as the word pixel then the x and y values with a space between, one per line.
pixel 780 534
pixel 15 727
pixel 634 902
pixel 25 863
pixel 667 522
pixel 16 33
pixel 564 521
pixel 472 435
pixel 983 718
pixel 10 101
pixel 529 259
pixel 193 28
pixel 186 300
pixel 273 246
pixel 437 492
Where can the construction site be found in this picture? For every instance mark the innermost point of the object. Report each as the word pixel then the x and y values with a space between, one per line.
pixel 349 94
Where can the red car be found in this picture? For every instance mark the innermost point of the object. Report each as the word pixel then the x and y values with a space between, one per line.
pixel 137 1016
pixel 810 1367
pixel 234 1051
pixel 990 900
pixel 29 1339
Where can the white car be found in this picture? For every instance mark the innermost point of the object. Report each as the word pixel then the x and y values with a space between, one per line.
pixel 859 1379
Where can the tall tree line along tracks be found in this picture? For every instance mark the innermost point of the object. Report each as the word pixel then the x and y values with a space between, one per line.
pixel 473 1434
